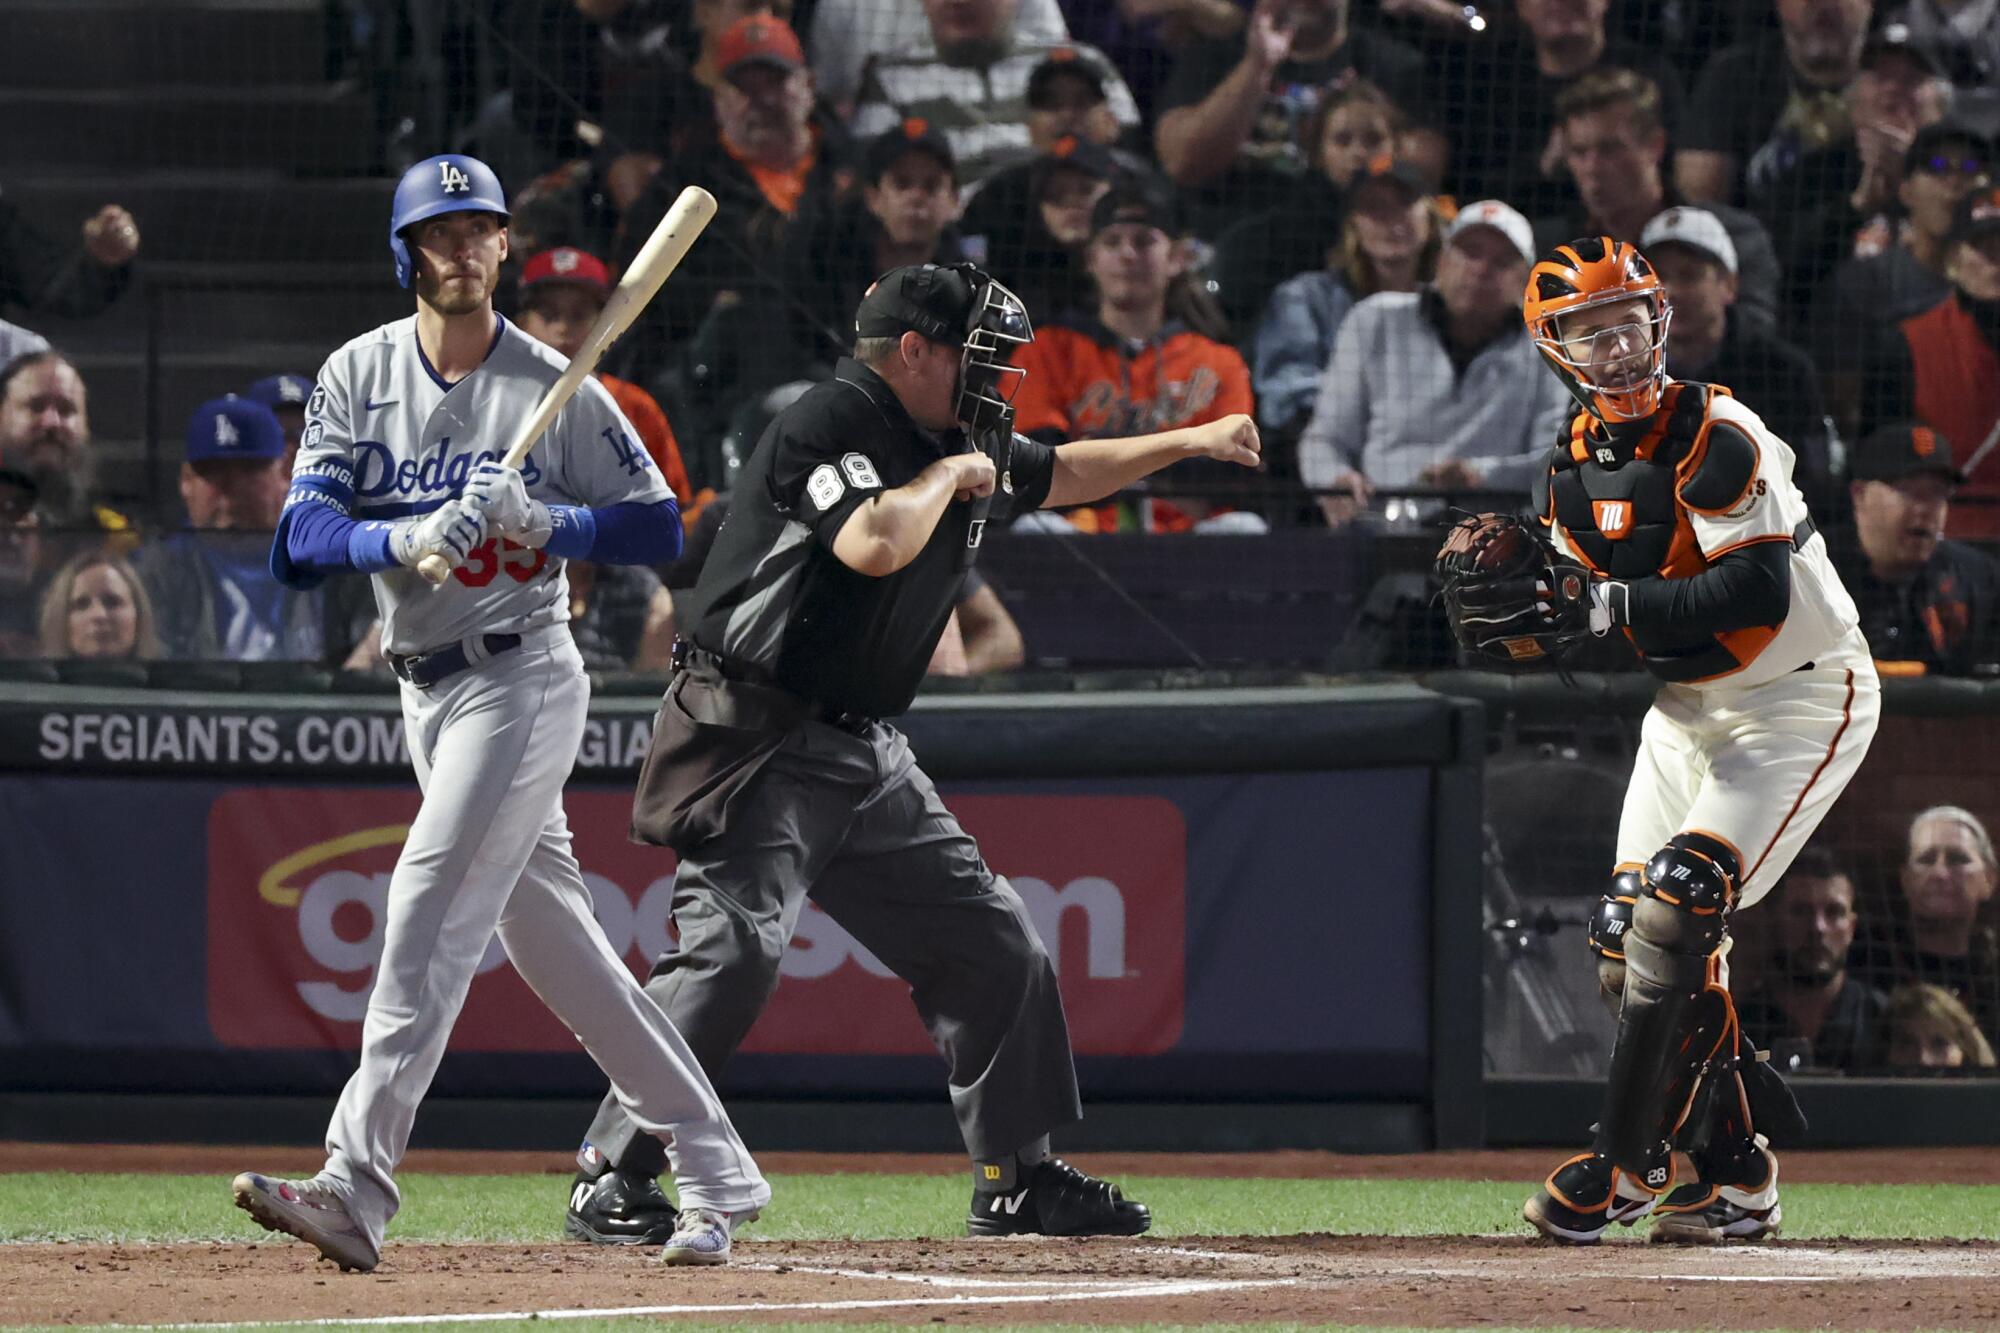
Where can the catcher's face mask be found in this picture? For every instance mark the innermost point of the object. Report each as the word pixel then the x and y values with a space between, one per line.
pixel 987 379
pixel 1597 311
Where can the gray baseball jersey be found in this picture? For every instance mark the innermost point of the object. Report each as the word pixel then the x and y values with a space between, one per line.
pixel 382 421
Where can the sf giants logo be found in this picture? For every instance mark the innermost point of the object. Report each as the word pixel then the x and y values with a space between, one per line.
pixel 451 180
pixel 1613 517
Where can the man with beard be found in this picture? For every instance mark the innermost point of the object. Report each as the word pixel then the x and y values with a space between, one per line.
pixel 1808 999
pixel 1922 599
pixel 20 565
pixel 45 432
pixel 400 461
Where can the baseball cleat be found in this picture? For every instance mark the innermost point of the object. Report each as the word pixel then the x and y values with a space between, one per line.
pixel 618 1208
pixel 702 1237
pixel 1053 1198
pixel 1582 1198
pixel 1703 1214
pixel 310 1211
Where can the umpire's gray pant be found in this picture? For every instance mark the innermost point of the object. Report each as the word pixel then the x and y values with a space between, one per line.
pixel 851 822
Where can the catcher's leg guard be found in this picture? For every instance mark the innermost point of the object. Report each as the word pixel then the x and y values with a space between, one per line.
pixel 1676 1015
pixel 1609 925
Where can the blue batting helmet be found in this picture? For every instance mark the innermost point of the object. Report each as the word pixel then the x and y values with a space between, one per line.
pixel 449 183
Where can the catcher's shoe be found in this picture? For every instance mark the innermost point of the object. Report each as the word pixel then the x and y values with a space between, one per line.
pixel 702 1236
pixel 1053 1198
pixel 1705 1214
pixel 618 1208
pixel 1582 1198
pixel 310 1211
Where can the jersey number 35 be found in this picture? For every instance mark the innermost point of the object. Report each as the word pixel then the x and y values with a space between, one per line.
pixel 487 559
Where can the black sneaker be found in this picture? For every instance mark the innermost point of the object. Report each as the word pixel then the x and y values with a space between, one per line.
pixel 1584 1196
pixel 619 1208
pixel 1053 1198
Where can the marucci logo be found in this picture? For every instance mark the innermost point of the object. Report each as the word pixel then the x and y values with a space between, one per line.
pixel 299 878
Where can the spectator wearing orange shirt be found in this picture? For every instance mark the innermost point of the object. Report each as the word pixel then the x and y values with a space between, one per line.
pixel 1148 357
pixel 562 293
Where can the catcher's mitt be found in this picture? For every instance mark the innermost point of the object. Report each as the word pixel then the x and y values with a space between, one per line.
pixel 1511 599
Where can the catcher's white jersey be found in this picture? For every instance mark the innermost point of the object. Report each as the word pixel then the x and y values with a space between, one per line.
pixel 382 421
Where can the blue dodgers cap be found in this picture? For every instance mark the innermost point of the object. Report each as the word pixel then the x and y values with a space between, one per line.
pixel 275 391
pixel 234 427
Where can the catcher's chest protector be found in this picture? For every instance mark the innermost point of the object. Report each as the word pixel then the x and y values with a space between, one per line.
pixel 1624 518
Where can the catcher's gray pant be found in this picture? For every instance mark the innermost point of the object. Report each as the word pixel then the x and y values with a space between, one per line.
pixel 490 850
pixel 850 821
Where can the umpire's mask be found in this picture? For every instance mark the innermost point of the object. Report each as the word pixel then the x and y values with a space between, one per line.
pixel 958 305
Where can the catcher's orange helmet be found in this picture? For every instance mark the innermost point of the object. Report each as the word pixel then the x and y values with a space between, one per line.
pixel 1620 371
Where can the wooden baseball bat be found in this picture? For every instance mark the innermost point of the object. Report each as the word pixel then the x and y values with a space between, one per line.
pixel 658 258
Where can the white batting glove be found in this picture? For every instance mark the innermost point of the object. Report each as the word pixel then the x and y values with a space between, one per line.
pixel 502 496
pixel 450 532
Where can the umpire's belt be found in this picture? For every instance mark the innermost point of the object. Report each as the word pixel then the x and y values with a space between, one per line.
pixel 687 654
pixel 425 670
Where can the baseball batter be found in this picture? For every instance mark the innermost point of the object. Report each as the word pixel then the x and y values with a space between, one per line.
pixel 1676 520
pixel 399 461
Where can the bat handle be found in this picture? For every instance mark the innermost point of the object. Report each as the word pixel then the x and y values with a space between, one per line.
pixel 434 569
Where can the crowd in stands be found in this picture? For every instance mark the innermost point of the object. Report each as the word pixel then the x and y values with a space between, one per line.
pixel 1319 211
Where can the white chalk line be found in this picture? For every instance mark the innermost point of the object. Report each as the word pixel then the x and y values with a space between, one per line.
pixel 946 1279
pixel 1137 1291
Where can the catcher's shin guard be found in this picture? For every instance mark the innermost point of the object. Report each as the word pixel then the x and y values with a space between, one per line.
pixel 1609 925
pixel 1676 1015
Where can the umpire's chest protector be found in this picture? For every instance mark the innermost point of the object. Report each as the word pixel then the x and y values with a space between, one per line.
pixel 1624 516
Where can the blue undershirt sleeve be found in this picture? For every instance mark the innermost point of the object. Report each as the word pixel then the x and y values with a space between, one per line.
pixel 633 533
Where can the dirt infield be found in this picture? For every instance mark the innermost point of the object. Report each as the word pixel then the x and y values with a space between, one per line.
pixel 1362 1280
pixel 1435 1282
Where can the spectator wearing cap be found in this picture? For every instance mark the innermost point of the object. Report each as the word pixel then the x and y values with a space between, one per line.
pixel 1614 143
pixel 1438 388
pixel 1035 234
pixel 1389 242
pixel 1922 597
pixel 970 80
pixel 45 432
pixel 1899 270
pixel 1068 98
pixel 765 162
pixel 1146 357
pixel 1231 112
pixel 1501 92
pixel 1964 35
pixel 211 585
pixel 1942 367
pixel 904 213
pixel 563 291
pixel 848 35
pixel 1707 341
pixel 1354 131
pixel 286 395
pixel 21 576
pixel 1824 203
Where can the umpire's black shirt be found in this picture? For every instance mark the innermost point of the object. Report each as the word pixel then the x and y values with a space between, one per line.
pixel 774 598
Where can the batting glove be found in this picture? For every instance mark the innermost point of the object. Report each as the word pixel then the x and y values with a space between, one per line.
pixel 450 532
pixel 502 497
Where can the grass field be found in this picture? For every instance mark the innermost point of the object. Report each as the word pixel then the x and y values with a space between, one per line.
pixel 528 1209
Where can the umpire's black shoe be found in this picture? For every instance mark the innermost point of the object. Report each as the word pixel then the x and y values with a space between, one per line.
pixel 619 1208
pixel 1053 1198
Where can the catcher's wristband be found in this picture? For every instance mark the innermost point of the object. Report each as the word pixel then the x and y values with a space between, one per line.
pixel 1610 605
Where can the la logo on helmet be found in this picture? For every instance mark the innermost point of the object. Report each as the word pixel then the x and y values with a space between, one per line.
pixel 451 180
pixel 225 433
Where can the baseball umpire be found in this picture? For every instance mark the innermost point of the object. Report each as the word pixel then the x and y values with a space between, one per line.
pixel 1668 511
pixel 776 778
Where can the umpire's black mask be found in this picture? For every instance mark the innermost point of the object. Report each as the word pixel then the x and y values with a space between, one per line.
pixel 959 305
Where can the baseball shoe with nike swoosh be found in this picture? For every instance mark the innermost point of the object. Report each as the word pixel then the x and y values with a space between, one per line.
pixel 1705 1213
pixel 1582 1198
pixel 309 1210
pixel 1053 1198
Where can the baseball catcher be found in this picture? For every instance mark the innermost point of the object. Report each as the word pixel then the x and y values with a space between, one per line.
pixel 1667 512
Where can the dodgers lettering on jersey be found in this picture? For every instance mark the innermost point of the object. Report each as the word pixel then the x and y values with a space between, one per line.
pixel 381 423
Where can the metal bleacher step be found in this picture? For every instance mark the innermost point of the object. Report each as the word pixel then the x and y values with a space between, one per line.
pixel 310 129
pixel 137 43
pixel 222 216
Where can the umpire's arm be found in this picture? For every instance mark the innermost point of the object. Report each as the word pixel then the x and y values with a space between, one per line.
pixel 1089 470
